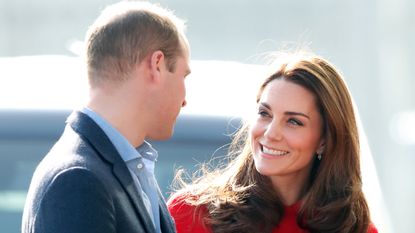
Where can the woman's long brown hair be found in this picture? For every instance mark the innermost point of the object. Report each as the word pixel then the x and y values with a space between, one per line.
pixel 239 199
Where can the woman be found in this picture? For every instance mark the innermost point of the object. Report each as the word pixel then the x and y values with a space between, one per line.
pixel 296 166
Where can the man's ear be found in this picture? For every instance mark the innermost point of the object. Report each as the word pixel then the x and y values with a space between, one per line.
pixel 156 64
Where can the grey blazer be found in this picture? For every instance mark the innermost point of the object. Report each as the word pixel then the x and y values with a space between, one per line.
pixel 83 186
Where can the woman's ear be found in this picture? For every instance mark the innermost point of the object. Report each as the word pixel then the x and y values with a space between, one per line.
pixel 321 147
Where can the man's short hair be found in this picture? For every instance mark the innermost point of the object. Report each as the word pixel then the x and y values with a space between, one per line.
pixel 125 33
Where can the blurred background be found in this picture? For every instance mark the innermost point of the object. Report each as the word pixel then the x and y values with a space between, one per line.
pixel 371 42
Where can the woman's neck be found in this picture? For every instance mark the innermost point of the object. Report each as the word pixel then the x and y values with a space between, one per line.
pixel 290 188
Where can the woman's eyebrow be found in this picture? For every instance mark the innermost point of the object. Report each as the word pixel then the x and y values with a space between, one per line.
pixel 297 114
pixel 291 113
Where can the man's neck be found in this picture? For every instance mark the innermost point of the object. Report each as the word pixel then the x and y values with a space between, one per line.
pixel 128 125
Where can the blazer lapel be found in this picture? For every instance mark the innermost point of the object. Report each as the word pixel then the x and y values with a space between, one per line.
pixel 121 172
pixel 87 128
pixel 166 222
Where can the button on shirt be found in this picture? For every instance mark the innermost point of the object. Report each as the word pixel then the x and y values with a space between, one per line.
pixel 140 162
pixel 144 170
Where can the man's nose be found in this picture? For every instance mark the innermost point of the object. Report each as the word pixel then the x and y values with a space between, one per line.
pixel 184 103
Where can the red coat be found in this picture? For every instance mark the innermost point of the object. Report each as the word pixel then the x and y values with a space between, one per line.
pixel 187 222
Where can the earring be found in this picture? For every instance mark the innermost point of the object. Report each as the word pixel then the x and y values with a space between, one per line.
pixel 319 156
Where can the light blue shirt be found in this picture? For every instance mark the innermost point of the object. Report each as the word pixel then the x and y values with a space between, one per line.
pixel 143 158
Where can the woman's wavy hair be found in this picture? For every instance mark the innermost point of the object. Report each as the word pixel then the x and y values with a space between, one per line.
pixel 239 199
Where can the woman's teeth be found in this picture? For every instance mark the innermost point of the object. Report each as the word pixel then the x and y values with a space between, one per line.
pixel 274 152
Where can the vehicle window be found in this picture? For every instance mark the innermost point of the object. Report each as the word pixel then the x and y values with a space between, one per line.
pixel 26 136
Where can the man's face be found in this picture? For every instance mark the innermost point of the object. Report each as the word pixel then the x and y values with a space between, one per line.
pixel 172 96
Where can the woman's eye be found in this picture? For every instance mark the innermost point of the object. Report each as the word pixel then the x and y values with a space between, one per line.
pixel 263 113
pixel 295 122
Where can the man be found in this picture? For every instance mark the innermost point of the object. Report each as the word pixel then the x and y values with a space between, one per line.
pixel 99 175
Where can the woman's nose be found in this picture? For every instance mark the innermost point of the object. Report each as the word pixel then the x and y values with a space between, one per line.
pixel 273 131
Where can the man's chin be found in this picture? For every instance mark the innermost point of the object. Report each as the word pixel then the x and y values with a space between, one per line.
pixel 161 136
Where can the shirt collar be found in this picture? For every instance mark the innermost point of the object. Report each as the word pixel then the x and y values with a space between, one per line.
pixel 147 151
pixel 124 148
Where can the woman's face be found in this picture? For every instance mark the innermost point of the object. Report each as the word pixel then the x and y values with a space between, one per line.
pixel 287 132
